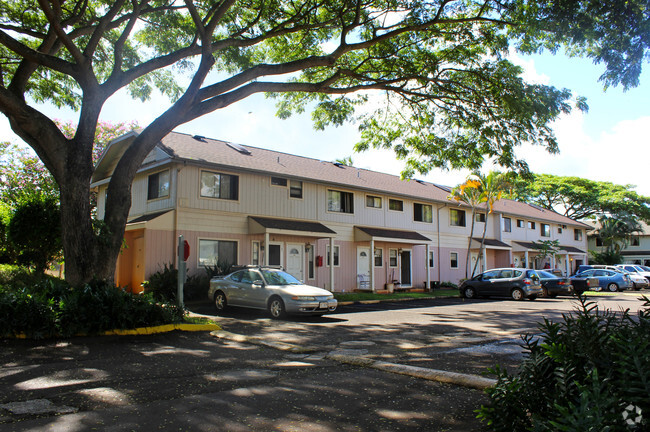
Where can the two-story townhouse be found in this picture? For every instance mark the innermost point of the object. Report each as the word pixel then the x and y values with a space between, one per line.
pixel 334 226
pixel 636 251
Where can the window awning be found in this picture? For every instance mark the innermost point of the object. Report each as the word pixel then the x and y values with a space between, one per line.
pixel 388 235
pixel 490 244
pixel 261 225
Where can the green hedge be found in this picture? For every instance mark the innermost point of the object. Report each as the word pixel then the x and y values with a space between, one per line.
pixel 590 372
pixel 52 308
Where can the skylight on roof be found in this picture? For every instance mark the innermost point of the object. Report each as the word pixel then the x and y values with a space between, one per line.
pixel 238 148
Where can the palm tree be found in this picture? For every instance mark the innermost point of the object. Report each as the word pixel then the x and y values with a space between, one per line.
pixel 616 232
pixel 470 194
pixel 491 186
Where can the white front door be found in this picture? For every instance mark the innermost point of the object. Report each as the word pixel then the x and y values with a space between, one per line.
pixel 296 261
pixel 363 267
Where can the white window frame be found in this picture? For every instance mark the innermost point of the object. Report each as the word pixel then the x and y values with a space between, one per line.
pixel 390 251
pixel 451 219
pixel 396 200
pixel 381 257
pixel 451 254
pixel 158 196
pixel 423 205
pixel 374 197
pixel 337 256
pixel 198 248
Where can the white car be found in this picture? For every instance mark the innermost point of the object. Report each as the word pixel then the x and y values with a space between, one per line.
pixel 271 289
pixel 637 269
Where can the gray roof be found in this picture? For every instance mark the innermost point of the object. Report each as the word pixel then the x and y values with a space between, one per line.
pixel 217 153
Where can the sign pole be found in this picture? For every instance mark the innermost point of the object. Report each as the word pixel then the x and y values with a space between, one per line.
pixel 182 270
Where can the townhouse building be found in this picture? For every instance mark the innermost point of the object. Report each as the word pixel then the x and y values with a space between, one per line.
pixel 636 251
pixel 334 226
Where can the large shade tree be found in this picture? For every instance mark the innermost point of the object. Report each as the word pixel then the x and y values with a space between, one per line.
pixel 452 98
pixel 580 198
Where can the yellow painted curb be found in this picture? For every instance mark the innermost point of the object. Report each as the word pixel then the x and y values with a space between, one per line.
pixel 149 330
pixel 162 329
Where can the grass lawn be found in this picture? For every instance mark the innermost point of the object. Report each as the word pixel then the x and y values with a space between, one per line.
pixel 365 296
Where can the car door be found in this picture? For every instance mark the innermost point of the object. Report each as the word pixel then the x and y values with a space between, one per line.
pixel 489 283
pixel 231 286
pixel 253 291
pixel 504 282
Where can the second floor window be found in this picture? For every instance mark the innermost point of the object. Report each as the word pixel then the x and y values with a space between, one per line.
pixel 577 235
pixel 545 230
pixel 217 185
pixel 507 224
pixel 341 202
pixel 396 205
pixel 457 217
pixel 531 225
pixel 422 213
pixel 373 201
pixel 520 223
pixel 158 185
pixel 480 217
pixel 295 189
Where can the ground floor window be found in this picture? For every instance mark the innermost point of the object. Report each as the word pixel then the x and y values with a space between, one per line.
pixel 212 252
pixel 310 262
pixel 392 257
pixel 336 256
pixel 454 259
pixel 379 257
pixel 255 253
pixel 431 260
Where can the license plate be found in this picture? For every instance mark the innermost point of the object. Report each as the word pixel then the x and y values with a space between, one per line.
pixel 322 305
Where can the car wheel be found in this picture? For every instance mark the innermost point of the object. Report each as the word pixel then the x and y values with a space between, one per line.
pixel 612 287
pixel 532 298
pixel 276 308
pixel 220 301
pixel 469 292
pixel 517 294
pixel 545 292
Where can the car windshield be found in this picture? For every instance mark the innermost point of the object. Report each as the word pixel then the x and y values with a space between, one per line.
pixel 545 274
pixel 277 277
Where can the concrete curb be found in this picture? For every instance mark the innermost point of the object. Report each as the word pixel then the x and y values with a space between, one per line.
pixel 402 299
pixel 465 380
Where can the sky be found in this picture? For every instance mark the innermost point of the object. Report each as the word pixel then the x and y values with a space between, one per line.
pixel 611 142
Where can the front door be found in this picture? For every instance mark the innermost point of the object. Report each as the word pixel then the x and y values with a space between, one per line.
pixel 363 267
pixel 296 261
pixel 405 268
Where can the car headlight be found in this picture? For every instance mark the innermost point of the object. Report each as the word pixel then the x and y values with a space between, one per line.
pixel 303 298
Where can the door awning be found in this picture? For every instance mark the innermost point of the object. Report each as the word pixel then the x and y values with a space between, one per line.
pixel 490 244
pixel 261 225
pixel 530 246
pixel 388 235
pixel 151 221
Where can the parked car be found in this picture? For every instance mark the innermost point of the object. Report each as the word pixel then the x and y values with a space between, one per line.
pixel 638 281
pixel 637 269
pixel 610 280
pixel 517 283
pixel 272 289
pixel 553 285
pixel 584 283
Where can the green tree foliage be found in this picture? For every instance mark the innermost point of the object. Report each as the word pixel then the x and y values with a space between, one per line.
pixel 35 232
pixel 579 198
pixel 23 176
pixel 450 96
pixel 615 233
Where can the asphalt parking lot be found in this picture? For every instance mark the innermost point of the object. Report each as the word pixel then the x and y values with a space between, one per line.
pixel 294 380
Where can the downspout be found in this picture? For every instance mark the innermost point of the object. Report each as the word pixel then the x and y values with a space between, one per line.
pixel 439 254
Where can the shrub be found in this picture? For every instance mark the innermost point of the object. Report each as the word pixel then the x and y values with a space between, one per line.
pixel 51 307
pixel 163 284
pixel 588 372
pixel 35 232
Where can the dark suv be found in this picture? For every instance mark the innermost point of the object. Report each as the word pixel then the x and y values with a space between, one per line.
pixel 516 283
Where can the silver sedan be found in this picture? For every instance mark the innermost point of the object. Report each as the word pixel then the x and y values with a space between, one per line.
pixel 271 289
